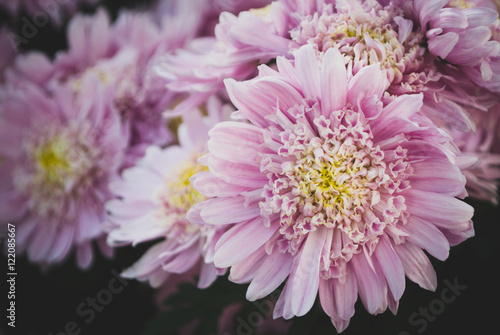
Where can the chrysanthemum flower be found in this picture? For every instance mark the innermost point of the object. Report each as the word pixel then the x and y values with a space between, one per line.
pixel 116 57
pixel 466 35
pixel 120 54
pixel 484 176
pixel 331 187
pixel 57 156
pixel 153 198
pixel 366 32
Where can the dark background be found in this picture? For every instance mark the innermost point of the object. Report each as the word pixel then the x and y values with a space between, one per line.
pixel 47 300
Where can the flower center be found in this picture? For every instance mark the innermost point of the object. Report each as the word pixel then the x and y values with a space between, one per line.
pixel 461 4
pixel 52 160
pixel 77 82
pixel 59 165
pixel 177 197
pixel 331 175
pixel 264 13
pixel 365 37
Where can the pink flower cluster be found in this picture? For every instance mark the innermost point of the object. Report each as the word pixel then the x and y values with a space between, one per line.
pixel 327 146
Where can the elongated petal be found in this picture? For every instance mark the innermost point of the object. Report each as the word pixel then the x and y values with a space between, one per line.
pixel 417 266
pixel 235 245
pixel 424 234
pixel 306 279
pixel 391 267
pixel 333 82
pixel 272 273
pixel 369 285
pixel 437 207
pixel 308 71
pixel 220 211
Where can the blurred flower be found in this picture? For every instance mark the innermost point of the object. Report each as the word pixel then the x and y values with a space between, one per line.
pixel 466 35
pixel 152 200
pixel 332 188
pixel 483 177
pixel 67 172
pixel 120 56
pixel 57 156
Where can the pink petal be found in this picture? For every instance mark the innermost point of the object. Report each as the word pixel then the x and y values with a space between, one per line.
pixel 369 285
pixel 426 236
pixel 449 18
pixel 148 263
pixel 236 142
pixel 404 106
pixel 391 267
pixel 183 261
pixel 84 255
pixel 42 241
pixel 235 245
pixel 236 173
pixel 326 296
pixel 271 274
pixel 306 278
pixel 307 67
pixel 417 266
pixel 220 211
pixel 426 10
pixel 340 324
pixel 442 45
pixel 438 176
pixel 246 270
pixel 437 207
pixel 333 91
pixel 357 88
pixel 208 274
pixel 62 244
pixel 345 295
pixel 210 186
pixel 481 16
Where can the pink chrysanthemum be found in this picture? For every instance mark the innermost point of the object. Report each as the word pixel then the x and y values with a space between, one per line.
pixel 466 34
pixel 331 187
pixel 57 156
pixel 121 55
pixel 484 176
pixel 152 201
pixel 366 32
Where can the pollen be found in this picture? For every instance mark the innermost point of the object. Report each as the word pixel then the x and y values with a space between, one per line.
pixel 331 175
pixel 263 12
pixel 364 38
pixel 177 197
pixel 61 165
pixel 182 195
pixel 461 4
pixel 53 160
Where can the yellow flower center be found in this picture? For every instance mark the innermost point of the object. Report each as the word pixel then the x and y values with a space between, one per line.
pixel 52 161
pixel 461 4
pixel 264 13
pixel 182 195
pixel 177 197
pixel 60 166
